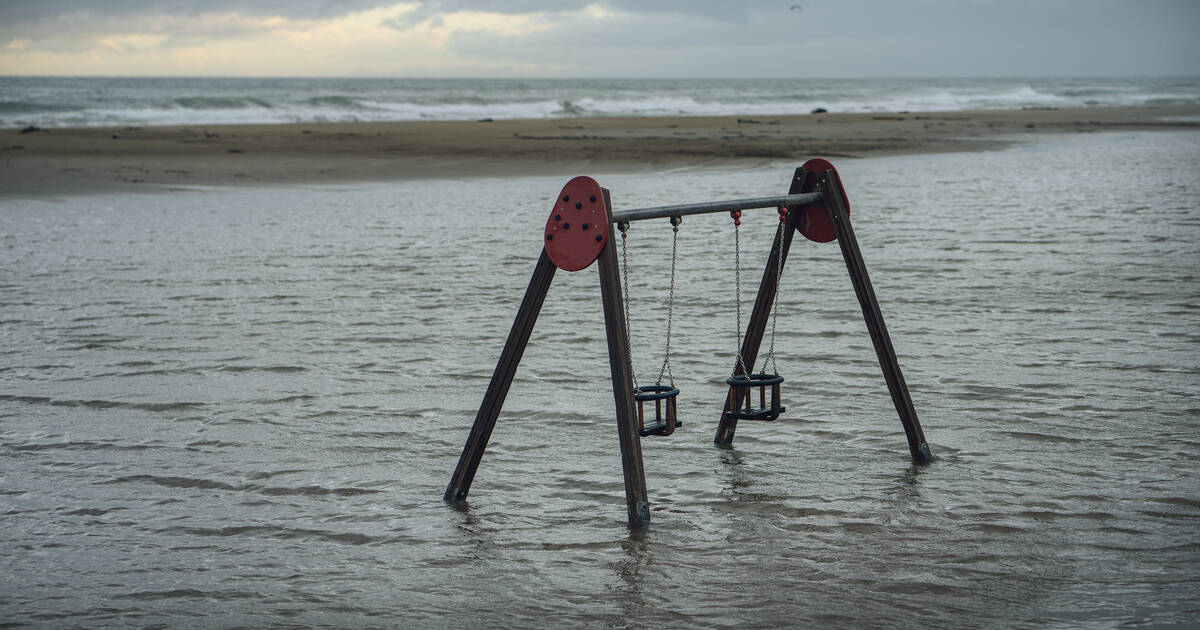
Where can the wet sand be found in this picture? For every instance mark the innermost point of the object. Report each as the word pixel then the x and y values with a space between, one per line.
pixel 83 160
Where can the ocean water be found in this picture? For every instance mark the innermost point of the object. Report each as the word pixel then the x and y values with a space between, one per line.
pixel 240 407
pixel 59 101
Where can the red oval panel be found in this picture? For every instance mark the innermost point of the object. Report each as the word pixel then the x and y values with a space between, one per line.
pixel 815 224
pixel 577 229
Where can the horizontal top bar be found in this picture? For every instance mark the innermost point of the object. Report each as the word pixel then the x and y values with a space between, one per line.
pixel 659 212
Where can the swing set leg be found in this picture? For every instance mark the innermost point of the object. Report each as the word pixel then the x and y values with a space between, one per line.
pixel 636 497
pixel 502 378
pixel 831 192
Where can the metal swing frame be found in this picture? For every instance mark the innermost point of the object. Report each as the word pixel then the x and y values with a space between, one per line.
pixel 816 184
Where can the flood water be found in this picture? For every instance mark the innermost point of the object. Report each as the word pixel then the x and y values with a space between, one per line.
pixel 241 407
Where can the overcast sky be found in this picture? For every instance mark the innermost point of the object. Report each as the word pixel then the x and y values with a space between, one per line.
pixel 613 38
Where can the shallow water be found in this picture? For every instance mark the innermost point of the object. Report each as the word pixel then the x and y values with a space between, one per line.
pixel 241 407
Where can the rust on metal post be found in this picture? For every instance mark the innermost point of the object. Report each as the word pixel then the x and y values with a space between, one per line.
pixel 762 311
pixel 836 204
pixel 636 496
pixel 506 369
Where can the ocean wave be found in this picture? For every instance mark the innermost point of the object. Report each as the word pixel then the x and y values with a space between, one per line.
pixel 22 107
pixel 273 531
pixel 212 484
pixel 102 404
pixel 221 102
pixel 112 102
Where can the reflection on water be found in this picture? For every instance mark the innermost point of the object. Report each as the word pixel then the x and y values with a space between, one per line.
pixel 241 407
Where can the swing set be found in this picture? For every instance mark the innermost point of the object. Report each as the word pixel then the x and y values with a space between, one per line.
pixel 579 232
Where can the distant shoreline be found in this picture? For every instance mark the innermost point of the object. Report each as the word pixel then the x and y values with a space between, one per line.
pixel 89 159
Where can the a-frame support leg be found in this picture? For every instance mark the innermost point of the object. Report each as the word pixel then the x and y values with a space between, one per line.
pixel 506 368
pixel 761 313
pixel 636 497
pixel 830 189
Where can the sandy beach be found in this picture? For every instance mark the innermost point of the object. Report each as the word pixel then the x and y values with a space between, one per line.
pixel 83 160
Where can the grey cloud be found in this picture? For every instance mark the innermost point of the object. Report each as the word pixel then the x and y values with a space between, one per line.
pixel 69 25
pixel 845 38
pixel 709 10
pixel 722 10
pixel 852 38
pixel 24 11
pixel 47 9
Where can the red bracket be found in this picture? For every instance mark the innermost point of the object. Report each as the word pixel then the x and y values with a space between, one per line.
pixel 577 229
pixel 815 223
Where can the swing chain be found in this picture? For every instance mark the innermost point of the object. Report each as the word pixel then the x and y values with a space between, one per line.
pixel 623 226
pixel 737 283
pixel 666 366
pixel 775 300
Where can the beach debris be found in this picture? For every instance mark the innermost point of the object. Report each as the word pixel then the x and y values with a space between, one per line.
pixel 820 110
pixel 749 121
pixel 15 147
pixel 116 137
pixel 485 120
pixel 234 151
pixel 207 134
pixel 31 129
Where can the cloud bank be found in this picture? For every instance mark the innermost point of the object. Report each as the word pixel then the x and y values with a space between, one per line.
pixel 613 38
